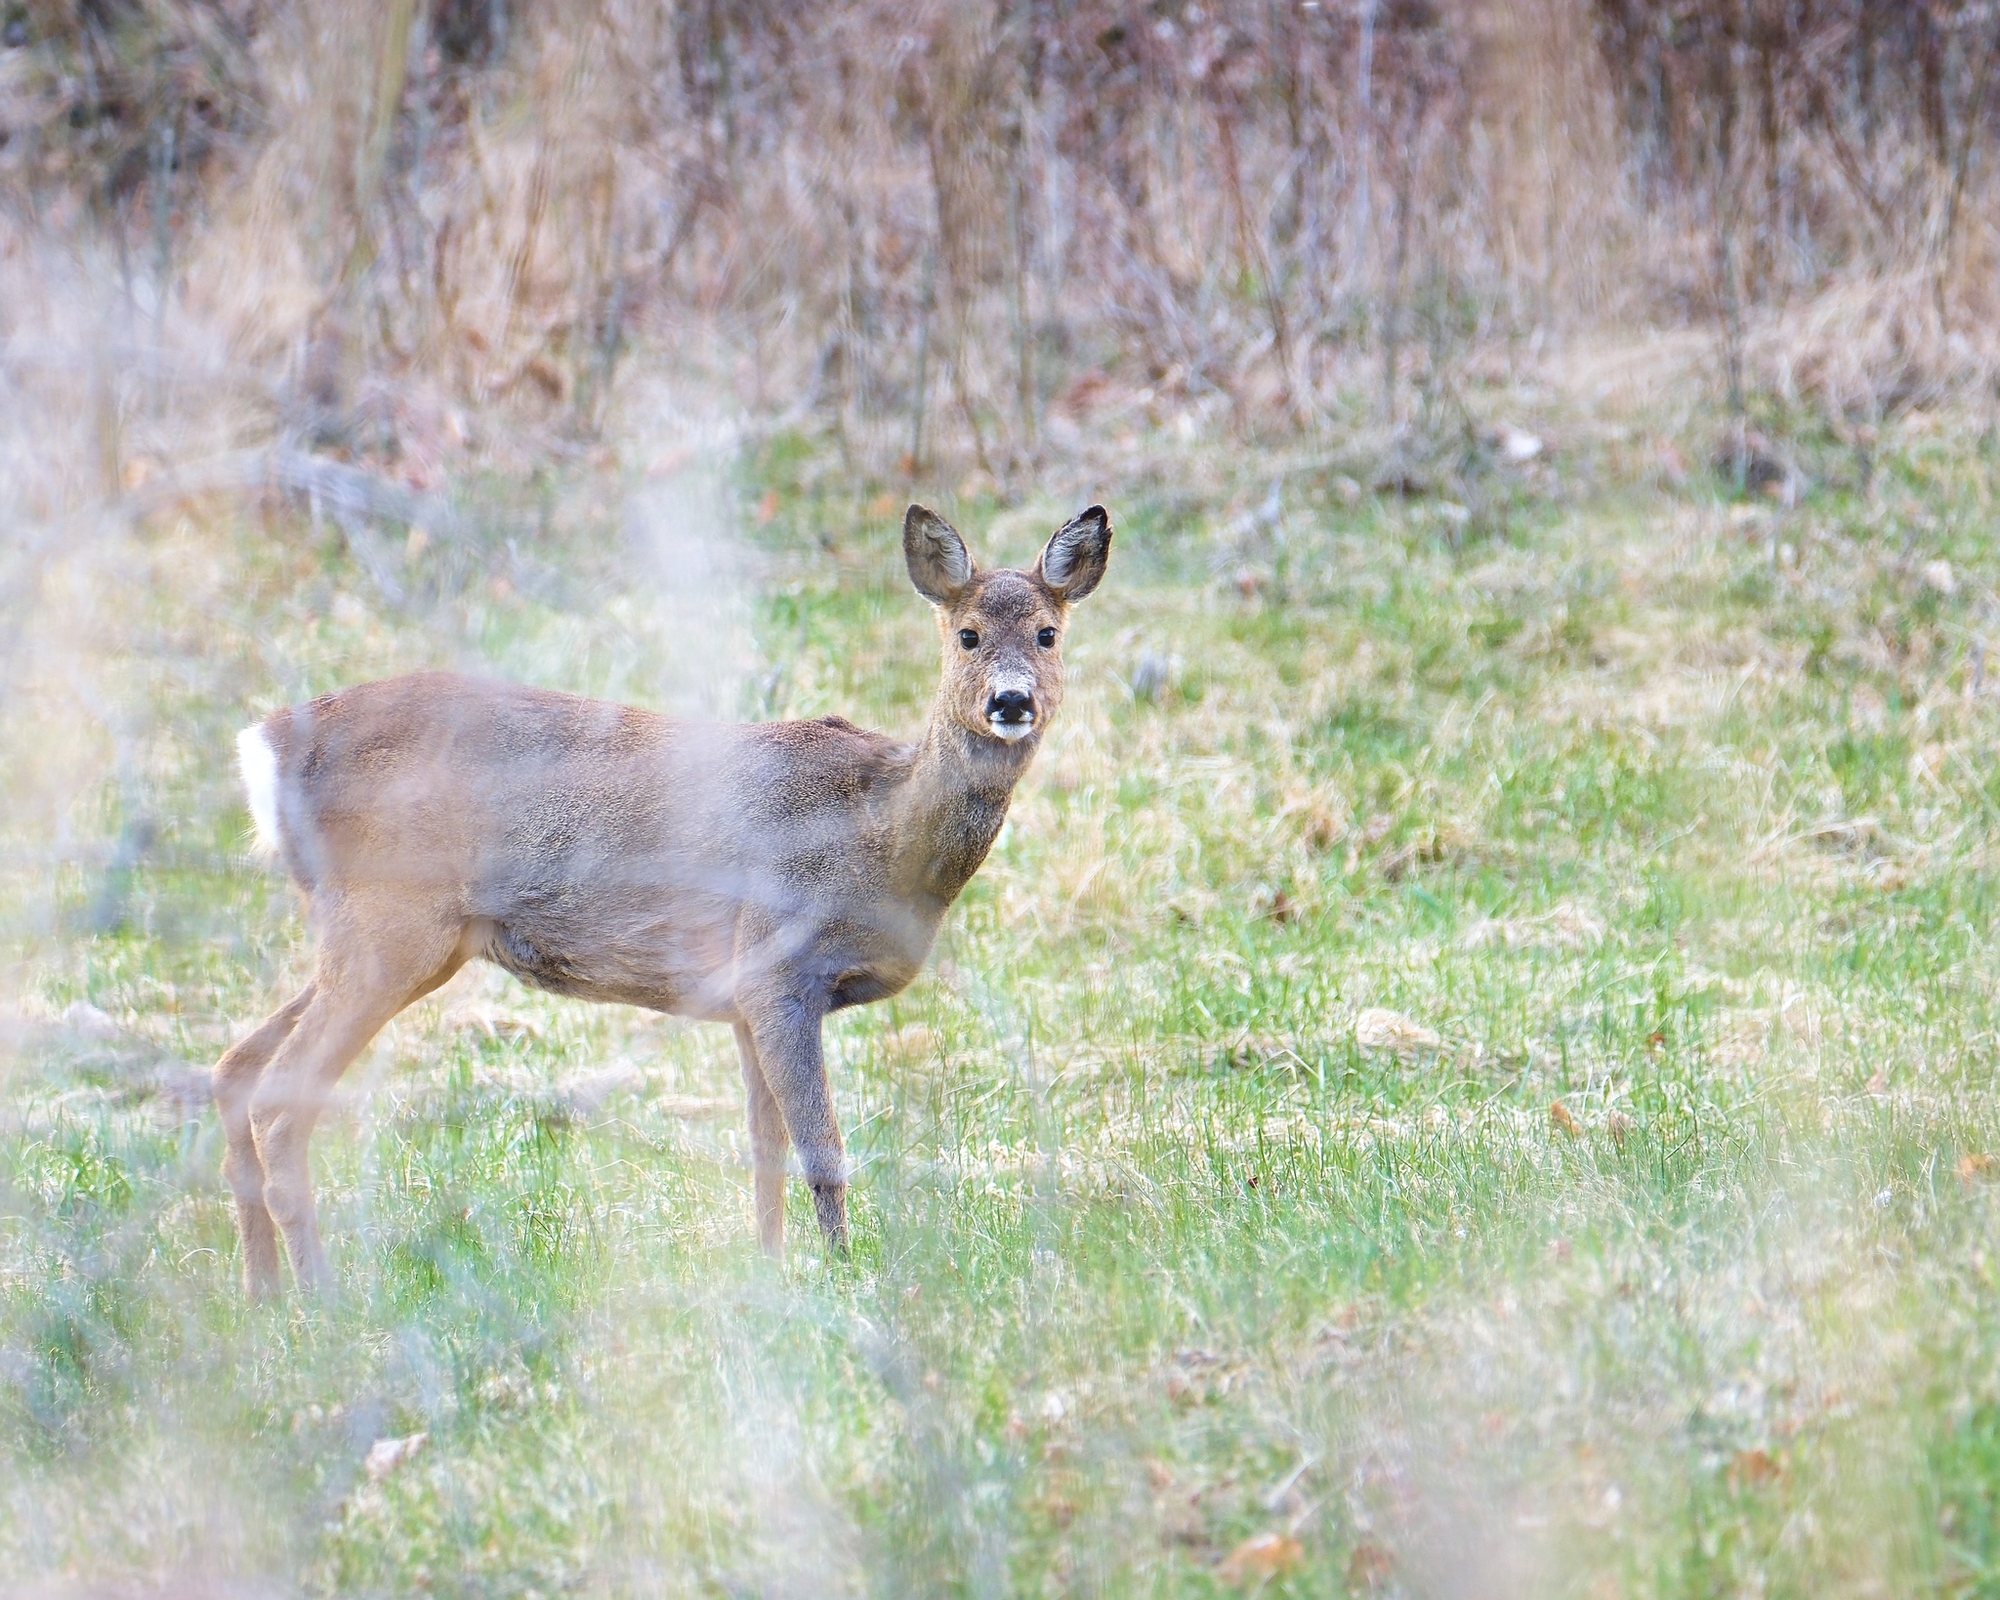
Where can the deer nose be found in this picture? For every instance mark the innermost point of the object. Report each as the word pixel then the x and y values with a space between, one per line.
pixel 1010 706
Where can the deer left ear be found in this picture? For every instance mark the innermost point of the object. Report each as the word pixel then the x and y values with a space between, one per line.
pixel 939 565
pixel 1073 562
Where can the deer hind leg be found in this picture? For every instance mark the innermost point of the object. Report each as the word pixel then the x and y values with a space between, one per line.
pixel 767 1145
pixel 786 1034
pixel 235 1080
pixel 373 961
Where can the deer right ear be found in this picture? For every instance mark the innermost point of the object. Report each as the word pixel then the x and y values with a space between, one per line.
pixel 1073 561
pixel 936 556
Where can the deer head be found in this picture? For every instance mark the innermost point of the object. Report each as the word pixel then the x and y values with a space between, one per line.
pixel 1001 632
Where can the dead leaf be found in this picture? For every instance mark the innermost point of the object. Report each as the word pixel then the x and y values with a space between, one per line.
pixel 1261 1558
pixel 1561 1120
pixel 1879 1083
pixel 1193 1376
pixel 483 1017
pixel 1377 1028
pixel 386 1455
pixel 1972 1167
pixel 1752 1469
pixel 1083 394
pixel 1620 1127
pixel 1324 826
pixel 1369 1566
pixel 546 376
pixel 1859 836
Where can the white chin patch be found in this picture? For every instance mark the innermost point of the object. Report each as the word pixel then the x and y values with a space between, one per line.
pixel 1010 731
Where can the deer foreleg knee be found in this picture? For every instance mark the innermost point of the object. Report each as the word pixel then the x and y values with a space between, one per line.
pixel 289 1199
pixel 243 1172
pixel 823 1164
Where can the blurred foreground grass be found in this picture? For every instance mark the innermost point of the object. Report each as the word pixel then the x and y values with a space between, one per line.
pixel 1645 1249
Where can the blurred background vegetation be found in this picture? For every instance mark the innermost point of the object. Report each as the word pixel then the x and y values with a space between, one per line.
pixel 958 238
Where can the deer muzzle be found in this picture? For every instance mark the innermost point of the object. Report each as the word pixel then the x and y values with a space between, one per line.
pixel 1010 713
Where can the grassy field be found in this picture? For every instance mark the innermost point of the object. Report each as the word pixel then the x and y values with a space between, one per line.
pixel 1477 1083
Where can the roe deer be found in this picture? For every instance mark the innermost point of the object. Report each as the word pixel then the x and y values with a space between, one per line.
pixel 760 875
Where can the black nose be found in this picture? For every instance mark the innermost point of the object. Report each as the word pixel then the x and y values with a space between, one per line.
pixel 1011 705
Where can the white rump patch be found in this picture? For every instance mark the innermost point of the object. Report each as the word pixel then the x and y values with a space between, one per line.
pixel 259 763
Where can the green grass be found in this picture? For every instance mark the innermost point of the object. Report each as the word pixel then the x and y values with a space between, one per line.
pixel 1674 812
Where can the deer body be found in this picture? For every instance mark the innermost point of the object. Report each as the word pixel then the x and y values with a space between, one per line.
pixel 760 875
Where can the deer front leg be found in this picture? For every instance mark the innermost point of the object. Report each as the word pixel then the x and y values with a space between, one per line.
pixel 767 1145
pixel 785 1031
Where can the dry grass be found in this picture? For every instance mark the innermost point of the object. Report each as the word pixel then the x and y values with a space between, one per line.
pixel 970 243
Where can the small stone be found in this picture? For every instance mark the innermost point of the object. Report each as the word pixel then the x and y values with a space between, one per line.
pixel 386 1455
pixel 1151 673
pixel 85 1020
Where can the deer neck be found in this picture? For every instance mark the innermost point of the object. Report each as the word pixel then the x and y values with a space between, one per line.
pixel 953 804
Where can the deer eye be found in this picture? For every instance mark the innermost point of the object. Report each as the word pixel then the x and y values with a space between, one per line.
pixel 968 638
pixel 1046 638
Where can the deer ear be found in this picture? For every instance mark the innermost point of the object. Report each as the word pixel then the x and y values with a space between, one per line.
pixel 935 555
pixel 1075 557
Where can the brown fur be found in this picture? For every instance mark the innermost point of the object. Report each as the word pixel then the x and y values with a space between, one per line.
pixel 757 875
